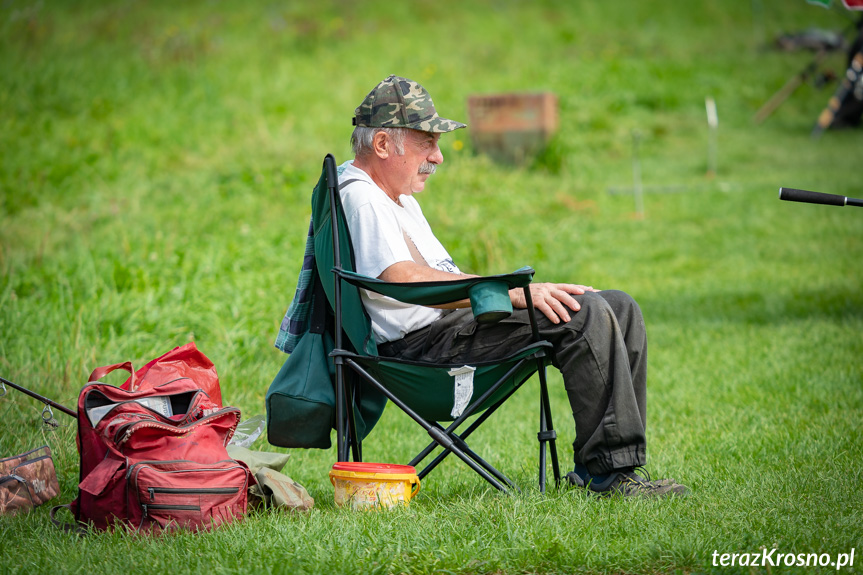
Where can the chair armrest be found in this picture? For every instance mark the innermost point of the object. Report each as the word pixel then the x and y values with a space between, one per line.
pixel 489 295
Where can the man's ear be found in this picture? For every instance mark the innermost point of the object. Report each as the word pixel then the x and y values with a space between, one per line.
pixel 380 145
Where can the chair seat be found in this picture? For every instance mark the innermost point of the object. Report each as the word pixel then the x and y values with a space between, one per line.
pixel 428 388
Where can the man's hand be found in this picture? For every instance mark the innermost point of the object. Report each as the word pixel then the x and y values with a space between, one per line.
pixel 553 300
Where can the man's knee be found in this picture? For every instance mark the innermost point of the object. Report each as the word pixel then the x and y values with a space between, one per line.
pixel 617 298
pixel 610 309
pixel 606 301
pixel 601 313
pixel 621 303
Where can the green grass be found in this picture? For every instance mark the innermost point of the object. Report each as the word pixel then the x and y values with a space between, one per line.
pixel 156 164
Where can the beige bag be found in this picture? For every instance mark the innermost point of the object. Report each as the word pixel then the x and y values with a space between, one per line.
pixel 280 491
pixel 273 489
pixel 27 481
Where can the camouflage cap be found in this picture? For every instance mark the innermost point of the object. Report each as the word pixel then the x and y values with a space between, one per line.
pixel 401 103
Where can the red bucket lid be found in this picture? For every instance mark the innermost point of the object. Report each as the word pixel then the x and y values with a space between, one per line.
pixel 363 467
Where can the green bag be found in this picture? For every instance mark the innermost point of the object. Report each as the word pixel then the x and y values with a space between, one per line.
pixel 301 401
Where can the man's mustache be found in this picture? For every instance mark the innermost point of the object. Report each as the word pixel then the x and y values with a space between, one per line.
pixel 427 168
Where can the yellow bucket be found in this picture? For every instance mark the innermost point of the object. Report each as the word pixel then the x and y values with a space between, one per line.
pixel 373 485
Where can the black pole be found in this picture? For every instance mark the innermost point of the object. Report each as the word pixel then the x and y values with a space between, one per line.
pixel 794 195
pixel 332 181
pixel 44 400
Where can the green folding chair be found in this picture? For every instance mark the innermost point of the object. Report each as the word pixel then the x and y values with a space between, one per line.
pixel 424 391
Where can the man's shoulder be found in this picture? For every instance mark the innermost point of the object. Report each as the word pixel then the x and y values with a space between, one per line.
pixel 350 174
pixel 358 191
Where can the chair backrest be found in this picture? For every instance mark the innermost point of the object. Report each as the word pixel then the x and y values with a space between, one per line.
pixel 355 321
pixel 349 309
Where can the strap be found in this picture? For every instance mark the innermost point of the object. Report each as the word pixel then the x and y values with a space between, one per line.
pixel 414 250
pixel 22 481
pixel 76 528
pixel 347 183
pixel 101 372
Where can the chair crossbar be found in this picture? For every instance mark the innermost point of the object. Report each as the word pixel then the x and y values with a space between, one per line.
pixel 459 441
pixel 451 430
pixel 545 437
pixel 438 434
pixel 448 439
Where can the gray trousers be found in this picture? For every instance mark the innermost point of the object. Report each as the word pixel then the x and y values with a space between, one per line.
pixel 601 353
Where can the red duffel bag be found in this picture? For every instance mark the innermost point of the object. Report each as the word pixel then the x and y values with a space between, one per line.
pixel 156 458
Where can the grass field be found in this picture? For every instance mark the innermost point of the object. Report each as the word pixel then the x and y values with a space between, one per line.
pixel 156 165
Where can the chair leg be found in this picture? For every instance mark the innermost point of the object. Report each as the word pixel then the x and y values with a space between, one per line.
pixel 353 438
pixel 341 432
pixel 346 428
pixel 451 431
pixel 546 433
pixel 542 446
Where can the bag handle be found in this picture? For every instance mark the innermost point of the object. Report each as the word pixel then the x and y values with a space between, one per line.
pixel 75 528
pixel 101 372
pixel 20 480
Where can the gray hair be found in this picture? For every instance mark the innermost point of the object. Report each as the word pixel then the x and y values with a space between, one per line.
pixel 361 139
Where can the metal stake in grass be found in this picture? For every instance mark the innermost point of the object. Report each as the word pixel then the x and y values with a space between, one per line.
pixel 712 124
pixel 637 190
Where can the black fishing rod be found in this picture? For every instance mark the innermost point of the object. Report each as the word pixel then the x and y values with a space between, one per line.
pixel 35 395
pixel 792 195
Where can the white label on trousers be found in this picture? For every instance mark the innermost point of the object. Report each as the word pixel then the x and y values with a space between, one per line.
pixel 462 389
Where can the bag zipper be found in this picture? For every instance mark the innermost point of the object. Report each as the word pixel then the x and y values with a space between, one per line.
pixel 187 415
pixel 200 491
pixel 21 481
pixel 124 432
pixel 204 490
pixel 12 477
pixel 136 467
pixel 26 461
pixel 24 455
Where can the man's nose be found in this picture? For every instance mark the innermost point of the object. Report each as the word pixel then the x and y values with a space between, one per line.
pixel 436 156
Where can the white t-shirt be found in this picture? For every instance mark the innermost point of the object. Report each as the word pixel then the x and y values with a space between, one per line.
pixel 380 230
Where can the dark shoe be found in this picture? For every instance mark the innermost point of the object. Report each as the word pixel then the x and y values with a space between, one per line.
pixel 575 479
pixel 627 483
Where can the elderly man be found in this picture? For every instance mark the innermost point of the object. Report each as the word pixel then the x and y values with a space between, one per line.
pixel 598 336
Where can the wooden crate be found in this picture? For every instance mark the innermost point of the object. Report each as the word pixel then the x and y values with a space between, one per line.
pixel 514 127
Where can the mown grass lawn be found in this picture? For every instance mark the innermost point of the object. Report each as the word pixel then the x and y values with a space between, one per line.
pixel 156 165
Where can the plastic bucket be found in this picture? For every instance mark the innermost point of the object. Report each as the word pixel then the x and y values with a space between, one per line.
pixel 373 485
